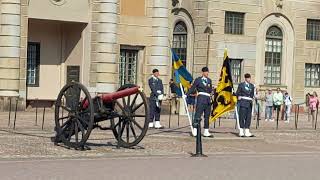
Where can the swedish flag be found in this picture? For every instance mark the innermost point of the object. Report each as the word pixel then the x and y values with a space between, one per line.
pixel 224 100
pixel 180 73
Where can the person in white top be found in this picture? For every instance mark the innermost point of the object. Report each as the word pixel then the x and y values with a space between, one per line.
pixel 288 104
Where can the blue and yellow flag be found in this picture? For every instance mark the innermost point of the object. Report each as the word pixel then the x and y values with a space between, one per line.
pixel 224 100
pixel 180 73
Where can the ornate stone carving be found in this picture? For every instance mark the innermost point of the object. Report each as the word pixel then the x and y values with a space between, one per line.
pixel 279 3
pixel 58 2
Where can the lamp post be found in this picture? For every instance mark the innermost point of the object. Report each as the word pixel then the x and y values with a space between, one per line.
pixel 208 31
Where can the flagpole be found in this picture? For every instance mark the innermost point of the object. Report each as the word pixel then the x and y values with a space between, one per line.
pixel 186 107
pixel 237 112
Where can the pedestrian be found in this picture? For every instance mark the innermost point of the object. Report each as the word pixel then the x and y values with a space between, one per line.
pixel 173 96
pixel 257 105
pixel 203 85
pixel 287 105
pixel 313 103
pixel 245 94
pixel 269 105
pixel 156 96
pixel 277 102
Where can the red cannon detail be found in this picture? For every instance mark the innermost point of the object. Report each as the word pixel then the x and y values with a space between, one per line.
pixel 107 98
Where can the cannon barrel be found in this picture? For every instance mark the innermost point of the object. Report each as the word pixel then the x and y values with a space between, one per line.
pixel 106 98
pixel 109 97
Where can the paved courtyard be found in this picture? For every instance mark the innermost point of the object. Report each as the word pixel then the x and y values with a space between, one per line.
pixel 28 146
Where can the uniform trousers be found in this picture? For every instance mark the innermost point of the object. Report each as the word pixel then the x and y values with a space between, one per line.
pixel 154 110
pixel 245 114
pixel 205 109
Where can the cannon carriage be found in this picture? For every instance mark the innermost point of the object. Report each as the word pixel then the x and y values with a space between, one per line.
pixel 77 114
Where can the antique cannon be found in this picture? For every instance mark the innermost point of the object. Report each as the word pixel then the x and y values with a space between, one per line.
pixel 76 114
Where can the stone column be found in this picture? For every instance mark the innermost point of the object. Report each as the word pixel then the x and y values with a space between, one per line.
pixel 160 39
pixel 10 47
pixel 105 47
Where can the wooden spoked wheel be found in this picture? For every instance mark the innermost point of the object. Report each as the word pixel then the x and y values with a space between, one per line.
pixel 131 125
pixel 73 120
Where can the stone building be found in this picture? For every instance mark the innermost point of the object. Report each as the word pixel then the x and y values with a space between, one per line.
pixel 106 43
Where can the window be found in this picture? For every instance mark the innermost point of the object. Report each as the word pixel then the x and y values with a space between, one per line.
pixel 235 65
pixel 312 75
pixel 179 44
pixel 33 64
pixel 128 66
pixel 313 29
pixel 234 23
pixel 273 53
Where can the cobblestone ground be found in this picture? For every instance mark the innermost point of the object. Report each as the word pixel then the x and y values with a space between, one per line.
pixel 30 141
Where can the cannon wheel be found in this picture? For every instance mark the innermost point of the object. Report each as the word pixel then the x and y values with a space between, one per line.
pixel 132 122
pixel 73 123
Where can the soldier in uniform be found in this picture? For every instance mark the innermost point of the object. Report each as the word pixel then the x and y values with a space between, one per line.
pixel 155 100
pixel 203 85
pixel 245 94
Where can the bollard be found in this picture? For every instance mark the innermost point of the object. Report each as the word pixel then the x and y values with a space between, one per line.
pixel 9 111
pixel 44 112
pixel 278 111
pixel 296 123
pixel 179 119
pixel 36 122
pixel 15 114
pixel 198 140
pixel 315 125
pixel 170 109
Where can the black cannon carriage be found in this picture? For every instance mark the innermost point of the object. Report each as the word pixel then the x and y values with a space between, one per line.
pixel 77 114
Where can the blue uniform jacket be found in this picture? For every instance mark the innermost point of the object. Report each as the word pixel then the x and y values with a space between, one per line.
pixel 199 86
pixel 245 91
pixel 155 85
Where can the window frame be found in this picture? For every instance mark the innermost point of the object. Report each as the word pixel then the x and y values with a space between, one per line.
pixel 310 78
pixel 313 33
pixel 180 50
pixel 273 53
pixel 124 79
pixel 231 60
pixel 37 64
pixel 230 27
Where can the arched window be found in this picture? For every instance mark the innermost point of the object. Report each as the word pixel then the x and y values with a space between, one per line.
pixel 180 38
pixel 273 53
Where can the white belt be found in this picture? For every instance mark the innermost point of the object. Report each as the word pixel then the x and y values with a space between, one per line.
pixel 246 98
pixel 204 93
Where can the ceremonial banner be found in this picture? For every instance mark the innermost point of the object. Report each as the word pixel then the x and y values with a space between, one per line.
pixel 224 100
pixel 181 74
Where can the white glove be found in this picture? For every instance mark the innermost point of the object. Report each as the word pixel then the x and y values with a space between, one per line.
pixel 160 97
pixel 159 92
pixel 184 96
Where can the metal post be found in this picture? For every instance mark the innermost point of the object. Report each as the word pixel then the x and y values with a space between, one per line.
pixel 170 109
pixel 214 124
pixel 44 112
pixel 278 111
pixel 296 124
pixel 9 111
pixel 315 125
pixel 178 119
pixel 219 121
pixel 258 117
pixel 198 140
pixel 15 114
pixel 36 123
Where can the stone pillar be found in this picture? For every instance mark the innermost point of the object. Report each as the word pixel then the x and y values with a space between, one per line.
pixel 160 39
pixel 10 47
pixel 105 47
